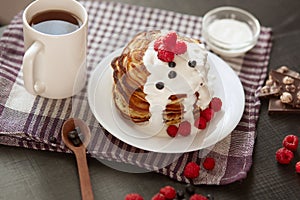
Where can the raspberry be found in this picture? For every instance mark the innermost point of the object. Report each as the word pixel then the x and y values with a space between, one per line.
pixel 208 114
pixel 191 170
pixel 184 128
pixel 165 56
pixel 215 104
pixel 284 156
pixel 180 47
pixel 209 163
pixel 200 123
pixel 168 191
pixel 198 197
pixel 290 142
pixel 172 130
pixel 158 44
pixel 133 196
pixel 170 41
pixel 158 196
pixel 297 167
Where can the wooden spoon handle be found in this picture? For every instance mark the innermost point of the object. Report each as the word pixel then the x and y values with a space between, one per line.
pixel 85 181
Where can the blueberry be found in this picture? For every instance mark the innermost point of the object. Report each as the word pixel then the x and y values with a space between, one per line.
pixel 172 64
pixel 192 63
pixel 77 129
pixel 172 74
pixel 180 194
pixel 52 139
pixel 190 189
pixel 72 135
pixel 81 136
pixel 160 85
pixel 76 142
pixel 210 197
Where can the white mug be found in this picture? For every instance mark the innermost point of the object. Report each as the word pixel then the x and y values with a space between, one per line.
pixel 54 63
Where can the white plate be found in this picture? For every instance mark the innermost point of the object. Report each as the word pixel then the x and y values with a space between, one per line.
pixel 226 86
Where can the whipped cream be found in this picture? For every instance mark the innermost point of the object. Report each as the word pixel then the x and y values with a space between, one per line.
pixel 188 81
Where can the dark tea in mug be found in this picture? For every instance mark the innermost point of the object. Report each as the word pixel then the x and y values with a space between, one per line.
pixel 55 22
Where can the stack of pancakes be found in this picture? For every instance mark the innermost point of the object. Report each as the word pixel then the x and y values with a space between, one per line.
pixel 130 75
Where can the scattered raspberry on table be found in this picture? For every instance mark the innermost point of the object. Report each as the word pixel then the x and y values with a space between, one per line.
pixel 291 142
pixel 284 156
pixel 209 163
pixel 198 197
pixel 191 170
pixel 168 191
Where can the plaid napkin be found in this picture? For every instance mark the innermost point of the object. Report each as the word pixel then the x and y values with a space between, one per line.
pixel 35 122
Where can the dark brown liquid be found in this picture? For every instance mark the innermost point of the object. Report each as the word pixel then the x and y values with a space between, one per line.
pixel 55 22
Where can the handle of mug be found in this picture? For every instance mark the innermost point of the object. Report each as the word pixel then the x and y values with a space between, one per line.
pixel 28 69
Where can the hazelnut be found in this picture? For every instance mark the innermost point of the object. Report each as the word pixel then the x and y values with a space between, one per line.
pixel 290 88
pixel 298 95
pixel 265 89
pixel 286 97
pixel 287 80
pixel 283 69
pixel 274 89
pixel 269 82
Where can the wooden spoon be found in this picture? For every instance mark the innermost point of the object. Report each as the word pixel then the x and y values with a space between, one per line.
pixel 80 154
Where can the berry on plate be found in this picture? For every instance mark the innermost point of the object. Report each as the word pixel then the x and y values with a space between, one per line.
pixel 170 40
pixel 158 44
pixel 184 128
pixel 191 170
pixel 180 47
pixel 133 196
pixel 172 130
pixel 291 142
pixel 165 56
pixel 208 114
pixel 215 104
pixel 200 123
pixel 284 155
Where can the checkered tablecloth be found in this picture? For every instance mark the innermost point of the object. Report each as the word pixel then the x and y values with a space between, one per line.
pixel 35 122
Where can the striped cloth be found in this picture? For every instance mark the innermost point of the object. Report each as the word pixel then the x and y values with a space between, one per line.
pixel 35 122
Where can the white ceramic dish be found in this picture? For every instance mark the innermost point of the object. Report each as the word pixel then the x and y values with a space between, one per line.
pixel 227 86
pixel 222 47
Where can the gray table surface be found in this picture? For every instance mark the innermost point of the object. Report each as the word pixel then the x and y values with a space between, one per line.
pixel 38 175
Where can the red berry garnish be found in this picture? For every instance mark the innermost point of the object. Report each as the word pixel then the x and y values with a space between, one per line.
pixel 180 47
pixel 172 130
pixel 165 56
pixel 200 123
pixel 191 170
pixel 297 167
pixel 290 142
pixel 158 44
pixel 170 41
pixel 198 197
pixel 168 191
pixel 215 104
pixel 133 196
pixel 158 196
pixel 184 128
pixel 209 163
pixel 167 46
pixel 208 114
pixel 284 156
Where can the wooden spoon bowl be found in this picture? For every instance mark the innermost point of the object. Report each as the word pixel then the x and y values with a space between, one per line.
pixel 80 154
